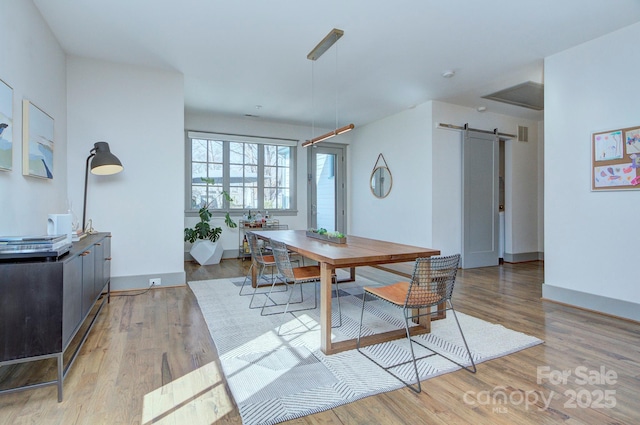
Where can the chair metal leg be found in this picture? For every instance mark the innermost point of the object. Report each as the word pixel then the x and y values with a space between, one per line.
pixel 414 387
pixel 284 313
pixel 473 368
pixel 418 387
pixel 335 281
pixel 245 279
pixel 275 304
pixel 364 296
pixel 273 282
pixel 248 278
pixel 315 304
pixel 253 294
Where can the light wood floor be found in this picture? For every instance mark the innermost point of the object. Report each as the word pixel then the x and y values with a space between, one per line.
pixel 150 359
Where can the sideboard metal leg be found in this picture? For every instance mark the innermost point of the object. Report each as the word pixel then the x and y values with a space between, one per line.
pixel 60 381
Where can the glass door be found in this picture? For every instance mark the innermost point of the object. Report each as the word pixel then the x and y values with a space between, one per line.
pixel 326 187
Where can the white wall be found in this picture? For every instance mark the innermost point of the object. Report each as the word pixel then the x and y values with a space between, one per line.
pixel 541 187
pixel 447 172
pixel 405 215
pixel 590 244
pixel 137 110
pixel 97 101
pixel 521 179
pixel 140 113
pixel 33 63
pixel 425 203
pixel 209 122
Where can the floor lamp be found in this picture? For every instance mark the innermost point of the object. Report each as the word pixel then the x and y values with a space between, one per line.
pixel 103 163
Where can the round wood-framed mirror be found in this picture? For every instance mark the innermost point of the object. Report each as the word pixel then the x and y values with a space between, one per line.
pixel 381 182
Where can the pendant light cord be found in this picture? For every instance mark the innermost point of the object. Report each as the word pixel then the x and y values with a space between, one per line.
pixel 327 42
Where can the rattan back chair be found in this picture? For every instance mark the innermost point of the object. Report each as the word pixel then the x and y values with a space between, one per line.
pixel 431 286
pixel 296 276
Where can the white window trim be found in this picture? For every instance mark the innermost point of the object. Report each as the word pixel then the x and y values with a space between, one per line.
pixel 242 139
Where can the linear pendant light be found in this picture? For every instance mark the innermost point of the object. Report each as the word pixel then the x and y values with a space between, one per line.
pixel 328 135
pixel 324 45
pixel 331 38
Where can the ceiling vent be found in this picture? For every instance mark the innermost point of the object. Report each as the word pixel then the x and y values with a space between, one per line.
pixel 528 95
pixel 523 133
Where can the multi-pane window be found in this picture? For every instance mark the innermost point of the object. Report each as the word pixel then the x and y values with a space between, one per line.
pixel 206 174
pixel 257 176
pixel 277 177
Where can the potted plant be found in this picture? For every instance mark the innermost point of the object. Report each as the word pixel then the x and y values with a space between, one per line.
pixel 323 234
pixel 206 249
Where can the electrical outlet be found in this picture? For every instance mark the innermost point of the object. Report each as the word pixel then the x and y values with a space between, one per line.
pixel 156 281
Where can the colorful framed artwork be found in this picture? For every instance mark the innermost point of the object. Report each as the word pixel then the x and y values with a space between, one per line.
pixel 6 126
pixel 37 142
pixel 632 141
pixel 616 159
pixel 608 146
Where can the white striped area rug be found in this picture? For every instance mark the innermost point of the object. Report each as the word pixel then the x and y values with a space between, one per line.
pixel 277 378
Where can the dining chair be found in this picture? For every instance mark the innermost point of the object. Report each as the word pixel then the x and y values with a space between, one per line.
pixel 295 257
pixel 431 285
pixel 262 261
pixel 296 276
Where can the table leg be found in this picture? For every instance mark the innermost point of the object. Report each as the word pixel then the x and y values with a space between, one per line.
pixel 423 317
pixel 441 313
pixel 351 278
pixel 325 307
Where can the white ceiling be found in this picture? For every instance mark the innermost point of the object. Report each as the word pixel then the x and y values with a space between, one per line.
pixel 238 54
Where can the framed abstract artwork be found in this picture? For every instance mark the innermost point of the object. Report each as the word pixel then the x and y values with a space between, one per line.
pixel 37 142
pixel 6 126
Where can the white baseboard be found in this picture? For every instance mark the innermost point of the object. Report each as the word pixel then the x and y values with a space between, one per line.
pixel 523 257
pixel 228 253
pixel 597 303
pixel 127 283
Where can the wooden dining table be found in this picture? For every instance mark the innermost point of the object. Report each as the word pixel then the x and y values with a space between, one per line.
pixel 356 252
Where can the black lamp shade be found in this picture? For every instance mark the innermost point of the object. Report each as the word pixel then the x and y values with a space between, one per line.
pixel 104 162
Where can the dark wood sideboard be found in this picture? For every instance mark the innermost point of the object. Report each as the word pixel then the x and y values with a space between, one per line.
pixel 45 303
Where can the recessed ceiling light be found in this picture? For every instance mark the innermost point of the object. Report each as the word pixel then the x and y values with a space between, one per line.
pixel 448 73
pixel 481 108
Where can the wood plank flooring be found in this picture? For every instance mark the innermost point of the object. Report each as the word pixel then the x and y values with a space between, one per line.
pixel 150 359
